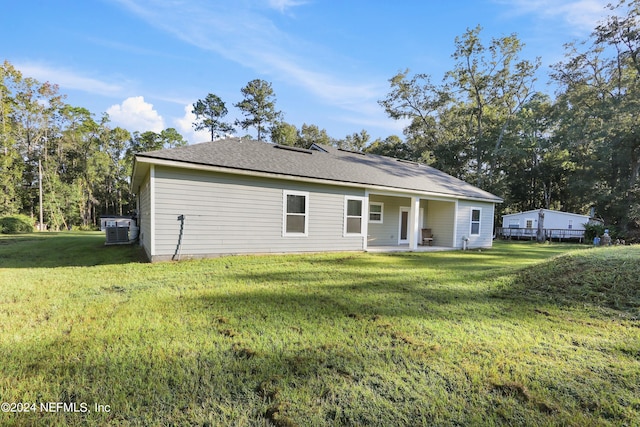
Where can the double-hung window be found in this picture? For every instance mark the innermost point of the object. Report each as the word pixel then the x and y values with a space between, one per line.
pixel 296 213
pixel 475 221
pixel 353 214
pixel 376 211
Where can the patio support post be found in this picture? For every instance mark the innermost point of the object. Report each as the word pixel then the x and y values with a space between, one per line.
pixel 365 221
pixel 414 223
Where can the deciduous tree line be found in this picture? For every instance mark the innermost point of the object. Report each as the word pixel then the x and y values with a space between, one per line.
pixel 485 123
pixel 488 125
pixel 59 162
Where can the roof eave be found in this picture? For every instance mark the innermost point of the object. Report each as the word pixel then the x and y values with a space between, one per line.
pixel 149 160
pixel 140 169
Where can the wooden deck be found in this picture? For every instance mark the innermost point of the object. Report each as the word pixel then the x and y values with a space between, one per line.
pixel 559 234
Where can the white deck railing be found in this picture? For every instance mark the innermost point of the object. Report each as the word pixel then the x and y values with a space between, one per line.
pixel 530 233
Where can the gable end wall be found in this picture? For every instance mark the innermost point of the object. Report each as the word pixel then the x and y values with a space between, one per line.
pixel 144 215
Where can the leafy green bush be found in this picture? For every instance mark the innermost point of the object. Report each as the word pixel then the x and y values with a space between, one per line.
pixel 16 224
pixel 593 230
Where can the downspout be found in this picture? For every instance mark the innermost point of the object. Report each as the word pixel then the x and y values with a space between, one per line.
pixel 176 254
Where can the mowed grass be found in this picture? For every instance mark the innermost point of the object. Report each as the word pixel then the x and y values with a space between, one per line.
pixel 522 334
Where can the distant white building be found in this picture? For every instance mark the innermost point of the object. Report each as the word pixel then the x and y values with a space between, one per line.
pixel 557 225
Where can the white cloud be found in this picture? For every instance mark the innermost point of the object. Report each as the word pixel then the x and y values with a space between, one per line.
pixel 69 79
pixel 184 126
pixel 584 14
pixel 580 15
pixel 282 5
pixel 240 34
pixel 324 86
pixel 134 114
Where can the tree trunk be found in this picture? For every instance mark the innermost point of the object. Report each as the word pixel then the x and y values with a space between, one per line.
pixel 540 236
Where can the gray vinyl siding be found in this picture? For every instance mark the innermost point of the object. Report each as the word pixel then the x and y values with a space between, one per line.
pixel 485 238
pixel 441 221
pixel 232 214
pixel 144 216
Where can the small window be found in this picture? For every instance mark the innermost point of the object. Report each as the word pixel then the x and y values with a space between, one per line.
pixel 376 211
pixel 529 223
pixel 296 209
pixel 475 221
pixel 570 224
pixel 353 215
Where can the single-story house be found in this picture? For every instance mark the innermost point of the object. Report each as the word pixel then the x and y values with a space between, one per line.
pixel 557 225
pixel 237 196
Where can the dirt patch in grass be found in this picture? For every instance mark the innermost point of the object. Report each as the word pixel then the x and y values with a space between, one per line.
pixel 243 352
pixel 515 390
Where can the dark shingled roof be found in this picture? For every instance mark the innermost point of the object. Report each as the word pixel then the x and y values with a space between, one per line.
pixel 329 164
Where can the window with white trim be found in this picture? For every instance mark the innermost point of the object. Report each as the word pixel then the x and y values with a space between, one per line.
pixel 529 223
pixel 475 221
pixel 376 212
pixel 295 220
pixel 353 210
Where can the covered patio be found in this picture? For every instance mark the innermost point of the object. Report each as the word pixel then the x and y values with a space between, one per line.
pixel 396 222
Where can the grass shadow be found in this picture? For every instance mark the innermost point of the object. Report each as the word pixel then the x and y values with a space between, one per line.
pixel 64 249
pixel 366 298
pixel 332 339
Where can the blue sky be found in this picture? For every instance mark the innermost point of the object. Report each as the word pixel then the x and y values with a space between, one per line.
pixel 145 62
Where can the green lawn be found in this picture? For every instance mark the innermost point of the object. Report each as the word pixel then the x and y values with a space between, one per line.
pixel 522 334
